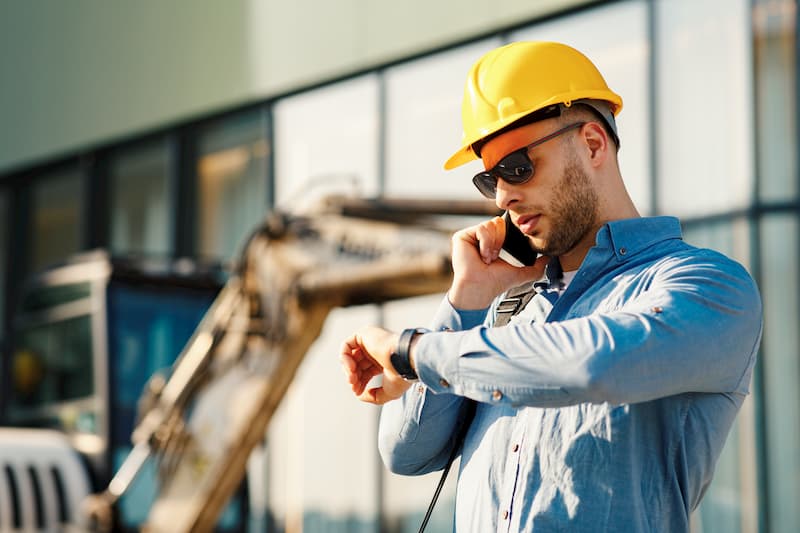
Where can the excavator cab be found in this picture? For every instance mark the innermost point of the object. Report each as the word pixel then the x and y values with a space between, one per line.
pixel 88 336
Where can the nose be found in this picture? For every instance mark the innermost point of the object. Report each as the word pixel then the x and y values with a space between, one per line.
pixel 507 195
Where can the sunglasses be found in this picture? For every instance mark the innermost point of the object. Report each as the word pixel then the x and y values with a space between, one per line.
pixel 516 168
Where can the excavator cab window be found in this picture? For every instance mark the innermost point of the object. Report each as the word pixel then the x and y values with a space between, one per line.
pixel 52 368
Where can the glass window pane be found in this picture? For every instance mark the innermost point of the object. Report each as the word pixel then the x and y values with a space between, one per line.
pixel 730 237
pixel 703 54
pixel 141 200
pixel 775 63
pixel 52 363
pixel 57 217
pixel 622 57
pixel 326 140
pixel 423 124
pixel 781 369
pixel 232 182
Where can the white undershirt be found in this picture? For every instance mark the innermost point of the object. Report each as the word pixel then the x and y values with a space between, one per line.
pixel 566 279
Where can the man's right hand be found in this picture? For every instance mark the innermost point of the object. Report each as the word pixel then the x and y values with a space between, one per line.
pixel 479 275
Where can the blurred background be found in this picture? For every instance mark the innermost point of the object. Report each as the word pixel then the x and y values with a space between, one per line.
pixel 162 132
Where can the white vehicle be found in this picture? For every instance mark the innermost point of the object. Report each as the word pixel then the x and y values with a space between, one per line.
pixel 43 482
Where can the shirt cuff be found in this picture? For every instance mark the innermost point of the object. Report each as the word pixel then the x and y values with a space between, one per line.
pixel 437 357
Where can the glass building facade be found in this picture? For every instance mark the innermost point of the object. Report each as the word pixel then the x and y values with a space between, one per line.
pixel 709 133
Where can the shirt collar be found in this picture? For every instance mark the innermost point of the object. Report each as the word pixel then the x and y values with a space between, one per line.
pixel 630 236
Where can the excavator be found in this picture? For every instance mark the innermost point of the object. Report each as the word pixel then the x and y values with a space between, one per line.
pixel 201 421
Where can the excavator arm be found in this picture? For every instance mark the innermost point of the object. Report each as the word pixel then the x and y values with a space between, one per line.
pixel 202 422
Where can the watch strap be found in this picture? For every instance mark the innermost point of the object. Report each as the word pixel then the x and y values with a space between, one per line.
pixel 400 356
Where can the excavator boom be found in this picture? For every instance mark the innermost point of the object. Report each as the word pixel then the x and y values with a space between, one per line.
pixel 202 422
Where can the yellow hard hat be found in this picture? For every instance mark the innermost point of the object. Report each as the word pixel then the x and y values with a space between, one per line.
pixel 513 81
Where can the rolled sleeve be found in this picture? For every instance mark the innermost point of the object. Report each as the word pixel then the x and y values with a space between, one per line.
pixel 697 329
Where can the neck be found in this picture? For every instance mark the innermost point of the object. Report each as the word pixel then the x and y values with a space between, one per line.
pixel 573 259
pixel 614 203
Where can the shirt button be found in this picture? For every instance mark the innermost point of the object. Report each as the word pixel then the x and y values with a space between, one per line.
pixel 421 389
pixel 516 448
pixel 443 382
pixel 623 251
pixel 505 515
pixel 497 395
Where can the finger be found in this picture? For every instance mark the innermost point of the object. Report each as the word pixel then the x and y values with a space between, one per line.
pixel 366 362
pixel 490 238
pixel 348 362
pixel 360 380
pixel 372 396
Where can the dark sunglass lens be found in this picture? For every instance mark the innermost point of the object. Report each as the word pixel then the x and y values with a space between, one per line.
pixel 486 184
pixel 516 168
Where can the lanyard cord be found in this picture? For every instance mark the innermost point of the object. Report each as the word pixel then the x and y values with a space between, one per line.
pixel 468 415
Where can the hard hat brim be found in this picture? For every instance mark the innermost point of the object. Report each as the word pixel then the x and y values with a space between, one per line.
pixel 466 153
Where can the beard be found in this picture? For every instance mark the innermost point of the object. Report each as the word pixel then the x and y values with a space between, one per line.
pixel 572 212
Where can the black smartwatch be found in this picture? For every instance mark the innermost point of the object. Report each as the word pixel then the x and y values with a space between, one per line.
pixel 400 356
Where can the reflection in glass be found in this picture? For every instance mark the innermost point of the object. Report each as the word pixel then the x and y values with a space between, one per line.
pixel 52 362
pixel 704 117
pixel 57 210
pixel 781 368
pixel 141 200
pixel 423 124
pixel 775 63
pixel 326 140
pixel 232 182
pixel 730 237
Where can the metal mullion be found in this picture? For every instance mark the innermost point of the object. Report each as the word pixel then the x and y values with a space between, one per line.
pixel 183 183
pixel 381 145
pixel 96 218
pixel 755 220
pixel 268 124
pixel 18 246
pixel 652 71
pixel 383 129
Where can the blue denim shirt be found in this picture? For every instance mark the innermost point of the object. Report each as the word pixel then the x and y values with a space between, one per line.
pixel 602 410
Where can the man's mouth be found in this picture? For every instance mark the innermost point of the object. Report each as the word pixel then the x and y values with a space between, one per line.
pixel 527 223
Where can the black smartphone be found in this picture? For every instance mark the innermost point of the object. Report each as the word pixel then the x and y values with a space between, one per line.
pixel 516 250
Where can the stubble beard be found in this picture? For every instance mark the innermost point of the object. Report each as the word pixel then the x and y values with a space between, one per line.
pixel 572 212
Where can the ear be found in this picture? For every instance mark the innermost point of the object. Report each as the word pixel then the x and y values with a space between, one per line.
pixel 597 142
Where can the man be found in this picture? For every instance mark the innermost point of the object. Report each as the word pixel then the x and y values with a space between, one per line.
pixel 605 402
